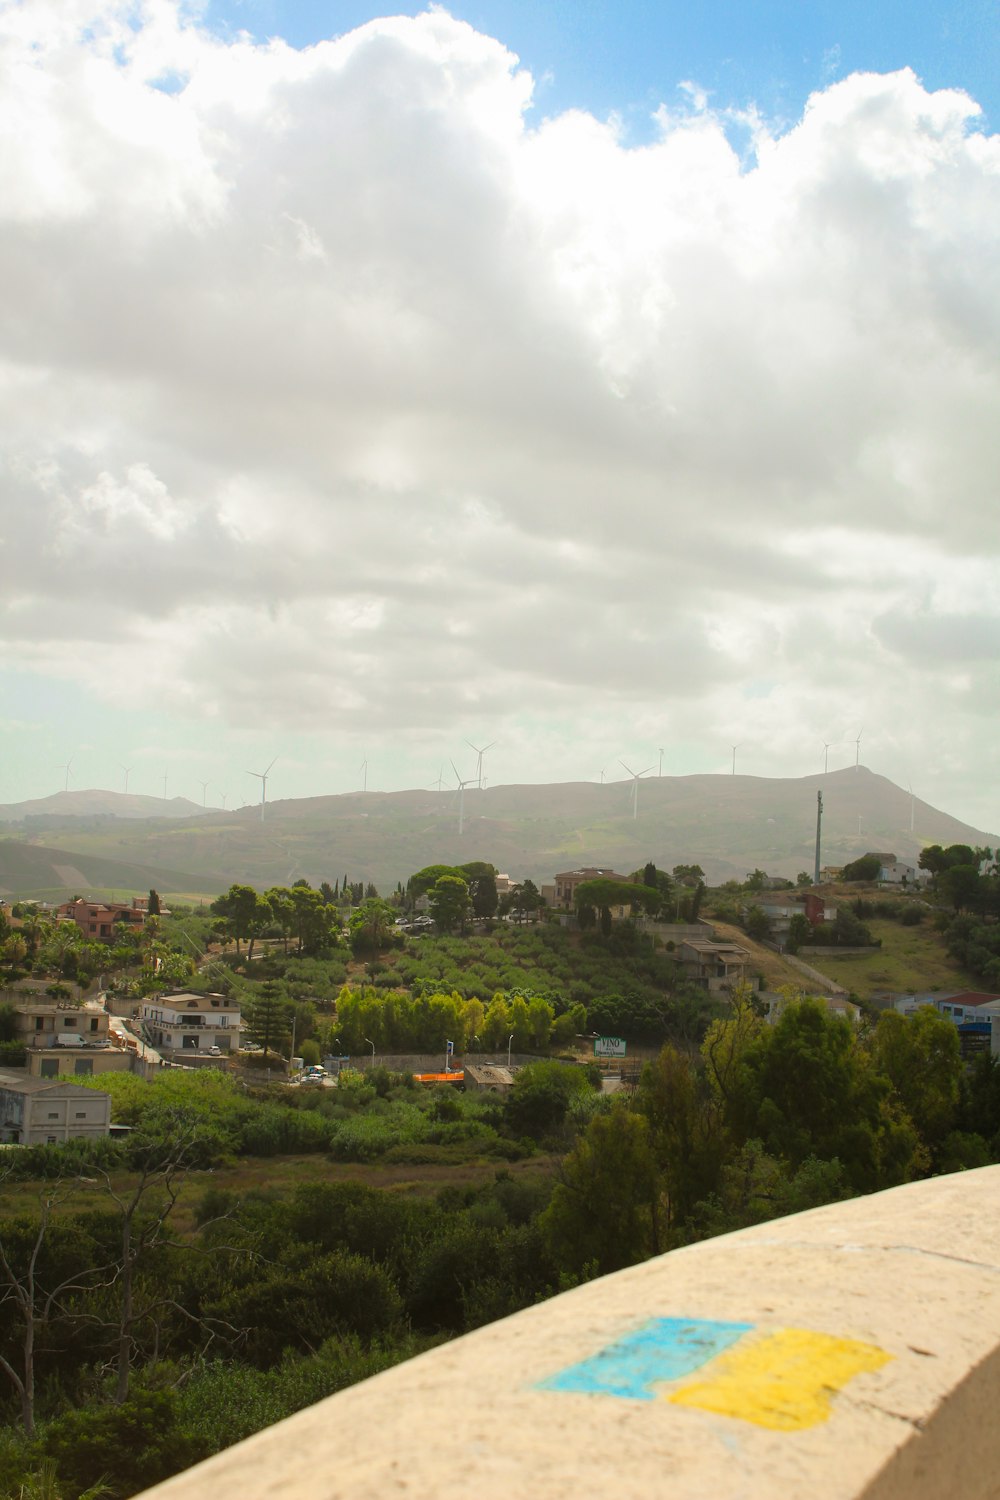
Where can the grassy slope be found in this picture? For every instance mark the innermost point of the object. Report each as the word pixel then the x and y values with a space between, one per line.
pixel 774 968
pixel 910 959
pixel 45 873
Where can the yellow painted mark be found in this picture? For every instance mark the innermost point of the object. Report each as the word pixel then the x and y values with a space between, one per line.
pixel 784 1380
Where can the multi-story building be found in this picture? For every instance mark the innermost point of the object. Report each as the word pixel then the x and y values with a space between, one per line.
pixel 716 966
pixel 61 1038
pixel 561 895
pixel 42 1111
pixel 96 919
pixel 179 1025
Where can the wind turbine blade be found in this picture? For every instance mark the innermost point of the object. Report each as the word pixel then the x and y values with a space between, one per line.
pixel 627 768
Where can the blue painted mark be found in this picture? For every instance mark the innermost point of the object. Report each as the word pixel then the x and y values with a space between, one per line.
pixel 662 1349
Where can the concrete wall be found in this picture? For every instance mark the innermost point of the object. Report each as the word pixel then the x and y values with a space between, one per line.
pixel 853 1351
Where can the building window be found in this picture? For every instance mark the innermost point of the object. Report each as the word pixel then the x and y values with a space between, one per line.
pixel 51 1140
pixel 84 1066
pixel 50 1067
pixel 53 1114
pixel 81 1114
pixel 39 1023
pixel 94 1024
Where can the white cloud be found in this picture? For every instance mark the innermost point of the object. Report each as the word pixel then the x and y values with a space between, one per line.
pixel 329 382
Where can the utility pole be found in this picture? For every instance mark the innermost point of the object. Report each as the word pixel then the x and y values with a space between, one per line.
pixel 819 828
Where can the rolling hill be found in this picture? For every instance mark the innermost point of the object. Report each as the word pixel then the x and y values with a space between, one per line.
pixel 727 824
pixel 38 872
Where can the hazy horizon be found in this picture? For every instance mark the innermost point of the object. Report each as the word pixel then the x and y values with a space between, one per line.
pixel 610 385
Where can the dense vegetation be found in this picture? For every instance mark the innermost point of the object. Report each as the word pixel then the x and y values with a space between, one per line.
pixel 243 1305
pixel 151 1317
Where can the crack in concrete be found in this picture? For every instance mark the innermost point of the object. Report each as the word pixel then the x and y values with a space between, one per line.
pixel 917 1423
pixel 850 1248
pixel 962 1260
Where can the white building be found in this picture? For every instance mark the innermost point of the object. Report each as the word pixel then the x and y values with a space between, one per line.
pixel 186 1024
pixel 42 1111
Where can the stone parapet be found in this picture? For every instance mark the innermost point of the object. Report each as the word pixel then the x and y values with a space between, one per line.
pixel 852 1351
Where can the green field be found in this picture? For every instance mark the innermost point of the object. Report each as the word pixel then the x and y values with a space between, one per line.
pixel 910 959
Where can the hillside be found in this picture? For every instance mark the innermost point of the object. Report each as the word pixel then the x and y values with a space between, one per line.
pixel 41 873
pixel 96 803
pixel 728 824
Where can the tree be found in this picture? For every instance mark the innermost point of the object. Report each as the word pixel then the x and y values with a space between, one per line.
pixel 15 950
pixel 311 918
pixel 141 1213
pixel 419 884
pixel 603 894
pixel 656 880
pixel 804 1087
pixel 371 926
pixel 685 1133
pixel 449 902
pixel 525 900
pixel 921 1057
pixel 933 858
pixel 482 882
pixel 153 905
pixel 757 924
pixel 279 899
pixel 960 884
pixel 44 1266
pixel 605 1209
pixel 245 913
pixel 865 868
pixel 267 1020
pixel 541 1095
pixel 800 931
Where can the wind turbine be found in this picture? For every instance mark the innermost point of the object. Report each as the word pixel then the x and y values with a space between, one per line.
pixel 66 769
pixel 826 754
pixel 204 792
pixel 660 771
pixel 461 796
pixel 479 764
pixel 735 748
pixel 440 781
pixel 126 769
pixel 164 786
pixel 262 778
pixel 635 775
pixel 857 747
pixel 363 768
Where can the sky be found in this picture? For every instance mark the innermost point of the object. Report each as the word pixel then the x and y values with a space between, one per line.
pixel 597 383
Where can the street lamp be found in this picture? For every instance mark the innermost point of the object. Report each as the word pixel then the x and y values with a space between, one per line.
pixel 509 1040
pixel 372 1046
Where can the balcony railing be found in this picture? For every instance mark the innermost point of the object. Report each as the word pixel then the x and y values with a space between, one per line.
pixel 853 1351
